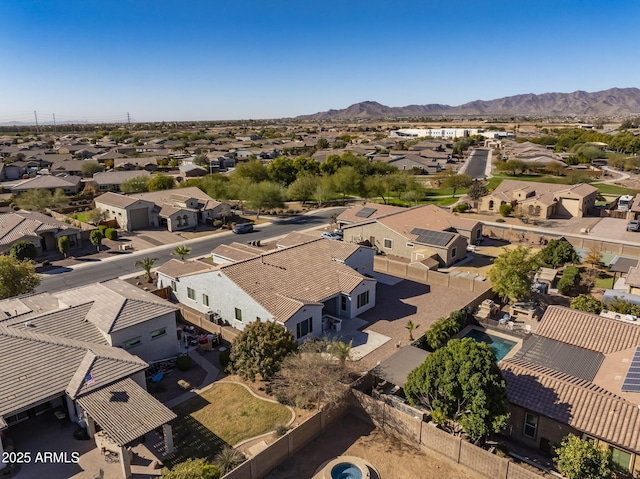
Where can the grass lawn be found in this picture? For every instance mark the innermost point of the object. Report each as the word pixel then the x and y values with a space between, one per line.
pixel 602 188
pixel 82 216
pixel 604 282
pixel 225 414
pixel 606 189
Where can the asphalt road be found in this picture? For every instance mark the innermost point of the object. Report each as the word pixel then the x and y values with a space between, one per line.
pixel 123 264
pixel 477 163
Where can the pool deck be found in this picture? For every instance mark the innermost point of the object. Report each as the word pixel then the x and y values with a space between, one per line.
pixel 493 332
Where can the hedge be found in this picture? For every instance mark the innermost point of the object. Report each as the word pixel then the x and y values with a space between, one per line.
pixel 111 234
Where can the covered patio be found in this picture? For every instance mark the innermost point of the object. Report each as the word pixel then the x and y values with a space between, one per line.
pixel 120 415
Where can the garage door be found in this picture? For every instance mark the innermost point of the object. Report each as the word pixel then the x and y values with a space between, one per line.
pixel 139 218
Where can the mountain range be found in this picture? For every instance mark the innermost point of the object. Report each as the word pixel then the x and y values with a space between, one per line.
pixel 615 102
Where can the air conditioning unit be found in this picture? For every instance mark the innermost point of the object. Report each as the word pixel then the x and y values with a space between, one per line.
pixel 215 318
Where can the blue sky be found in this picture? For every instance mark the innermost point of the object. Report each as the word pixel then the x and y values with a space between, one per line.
pixel 240 59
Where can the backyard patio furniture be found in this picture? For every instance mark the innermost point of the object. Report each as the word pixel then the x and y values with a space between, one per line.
pixel 184 384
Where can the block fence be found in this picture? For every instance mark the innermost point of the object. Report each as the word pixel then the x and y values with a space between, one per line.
pixel 412 429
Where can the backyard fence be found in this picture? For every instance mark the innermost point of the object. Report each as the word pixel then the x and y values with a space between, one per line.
pixel 412 429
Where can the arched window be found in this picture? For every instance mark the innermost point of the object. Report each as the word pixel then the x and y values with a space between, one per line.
pixel 537 211
pixel 531 209
pixel 185 220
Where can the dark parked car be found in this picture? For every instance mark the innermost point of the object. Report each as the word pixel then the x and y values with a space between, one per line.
pixel 243 228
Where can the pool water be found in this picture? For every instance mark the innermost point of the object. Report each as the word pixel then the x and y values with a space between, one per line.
pixel 346 470
pixel 499 345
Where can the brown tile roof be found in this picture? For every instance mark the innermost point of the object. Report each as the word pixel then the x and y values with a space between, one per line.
pixel 115 199
pixel 169 196
pixel 175 268
pixel 22 224
pixel 576 402
pixel 587 330
pixel 284 280
pixel 633 278
pixel 349 215
pixel 294 238
pixel 429 217
pixel 237 251
pixel 509 187
pixel 125 411
pixel 114 177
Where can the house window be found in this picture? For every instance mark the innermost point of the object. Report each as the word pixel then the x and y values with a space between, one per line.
pixel 454 251
pixel 363 299
pixel 388 243
pixel 343 303
pixel 205 299
pixel 491 204
pixel 174 286
pixel 409 245
pixel 478 233
pixel 158 332
pixel 530 425
pixel 304 327
pixel 238 314
pixel 132 342
pixel 620 459
pixel 191 293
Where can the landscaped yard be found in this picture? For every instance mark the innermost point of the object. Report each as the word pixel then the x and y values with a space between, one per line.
pixel 604 282
pixel 225 414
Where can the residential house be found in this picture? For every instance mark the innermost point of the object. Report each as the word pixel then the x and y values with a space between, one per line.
pixel 193 171
pixel 309 288
pixel 41 230
pixel 72 349
pixel 70 184
pixel 542 200
pixel 427 234
pixel 112 180
pixel 578 373
pixel 143 163
pixel 176 209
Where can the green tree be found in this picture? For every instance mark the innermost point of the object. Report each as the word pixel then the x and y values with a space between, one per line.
pixel 193 469
pixel 137 184
pixel 374 187
pixel 411 326
pixel 265 195
pixel 463 388
pixel 558 253
pixel 254 170
pixel 456 181
pixel 346 180
pixel 216 186
pixel 201 160
pixel 146 264
pixel 260 348
pixel 570 277
pixel 64 245
pixel 282 170
pixel 161 182
pixel 303 188
pixel 323 143
pixel 306 166
pixel 505 209
pixel 96 238
pixel 586 302
pixel 90 168
pixel 96 216
pixel 22 250
pixel 511 275
pixel 17 277
pixel 181 251
pixel 578 458
pixel 341 351
pixel 40 199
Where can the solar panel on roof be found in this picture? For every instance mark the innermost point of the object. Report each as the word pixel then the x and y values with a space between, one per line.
pixel 366 212
pixel 436 238
pixel 632 379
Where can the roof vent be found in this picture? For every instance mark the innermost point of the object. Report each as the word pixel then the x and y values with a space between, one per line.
pixel 29 324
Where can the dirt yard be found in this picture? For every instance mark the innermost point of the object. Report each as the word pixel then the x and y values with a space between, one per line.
pixel 392 458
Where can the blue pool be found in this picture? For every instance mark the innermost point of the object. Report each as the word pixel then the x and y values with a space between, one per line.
pixel 346 470
pixel 499 345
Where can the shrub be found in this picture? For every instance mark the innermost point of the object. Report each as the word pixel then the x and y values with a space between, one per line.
pixel 281 430
pixel 111 234
pixel 102 229
pixel 46 262
pixel 461 207
pixel 506 209
pixel 500 220
pixel 225 358
pixel 444 329
pixel 217 223
pixel 184 362
pixel 569 278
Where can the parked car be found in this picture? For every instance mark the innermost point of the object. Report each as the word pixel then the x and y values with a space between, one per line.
pixel 243 228
pixel 332 236
pixel 634 225
pixel 338 232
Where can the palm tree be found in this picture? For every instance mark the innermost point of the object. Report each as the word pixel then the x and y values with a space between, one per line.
pixel 146 264
pixel 181 251
pixel 341 350
pixel 410 327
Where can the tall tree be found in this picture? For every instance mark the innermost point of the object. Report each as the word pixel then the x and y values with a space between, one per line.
pixel 303 188
pixel 463 388
pixel 346 180
pixel 265 195
pixel 260 348
pixel 558 253
pixel 17 277
pixel 96 238
pixel 64 245
pixel 254 170
pixel 456 181
pixel 161 182
pixel 41 199
pixel 90 168
pixel 282 170
pixel 578 458
pixel 137 184
pixel 146 264
pixel 511 275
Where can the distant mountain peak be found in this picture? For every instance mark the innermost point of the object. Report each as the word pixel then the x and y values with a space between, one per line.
pixel 607 103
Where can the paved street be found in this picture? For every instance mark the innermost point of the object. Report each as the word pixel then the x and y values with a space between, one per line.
pixel 93 271
pixel 477 163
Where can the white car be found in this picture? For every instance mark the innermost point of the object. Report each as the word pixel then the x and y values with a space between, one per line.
pixel 332 236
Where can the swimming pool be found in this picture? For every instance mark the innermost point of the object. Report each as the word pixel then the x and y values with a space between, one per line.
pixel 499 345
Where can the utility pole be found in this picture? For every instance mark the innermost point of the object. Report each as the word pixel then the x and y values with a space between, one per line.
pixel 54 122
pixel 37 128
pixel 129 120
